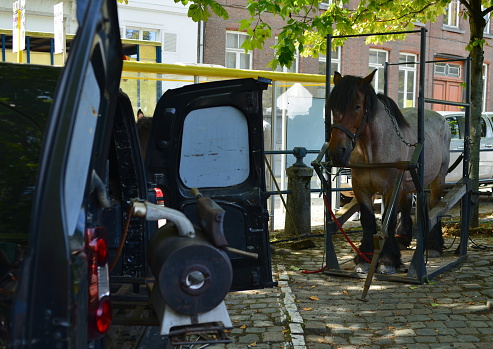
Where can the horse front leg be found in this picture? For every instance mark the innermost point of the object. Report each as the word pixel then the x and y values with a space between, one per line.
pixel 369 225
pixel 390 257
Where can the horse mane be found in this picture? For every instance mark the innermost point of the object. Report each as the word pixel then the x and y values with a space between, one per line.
pixel 344 93
pixel 395 112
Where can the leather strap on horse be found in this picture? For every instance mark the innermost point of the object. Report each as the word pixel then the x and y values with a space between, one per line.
pixel 353 136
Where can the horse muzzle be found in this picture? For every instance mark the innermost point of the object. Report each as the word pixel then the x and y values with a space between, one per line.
pixel 340 152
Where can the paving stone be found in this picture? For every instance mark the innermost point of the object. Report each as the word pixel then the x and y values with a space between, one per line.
pixel 315 327
pixel 395 315
pixel 404 332
pixel 249 338
pixel 273 336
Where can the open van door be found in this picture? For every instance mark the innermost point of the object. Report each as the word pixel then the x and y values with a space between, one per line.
pixel 61 300
pixel 210 136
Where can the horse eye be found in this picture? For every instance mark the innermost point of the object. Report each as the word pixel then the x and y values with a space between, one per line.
pixel 357 107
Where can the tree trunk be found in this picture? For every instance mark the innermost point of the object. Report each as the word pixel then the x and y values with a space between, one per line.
pixel 477 25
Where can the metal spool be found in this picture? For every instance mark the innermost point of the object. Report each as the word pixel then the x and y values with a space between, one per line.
pixel 192 275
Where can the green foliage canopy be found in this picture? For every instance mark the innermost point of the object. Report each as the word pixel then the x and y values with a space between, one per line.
pixel 306 27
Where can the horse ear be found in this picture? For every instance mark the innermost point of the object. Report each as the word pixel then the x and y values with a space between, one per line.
pixel 368 79
pixel 337 77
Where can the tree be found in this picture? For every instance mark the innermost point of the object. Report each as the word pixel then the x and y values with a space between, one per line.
pixel 306 29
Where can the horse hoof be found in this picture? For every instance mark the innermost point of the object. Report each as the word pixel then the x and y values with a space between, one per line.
pixel 403 241
pixel 434 253
pixel 402 246
pixel 362 268
pixel 386 269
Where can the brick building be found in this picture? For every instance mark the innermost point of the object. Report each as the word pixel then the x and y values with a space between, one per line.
pixel 446 38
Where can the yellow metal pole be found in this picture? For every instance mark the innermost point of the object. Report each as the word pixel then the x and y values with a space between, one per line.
pixel 190 70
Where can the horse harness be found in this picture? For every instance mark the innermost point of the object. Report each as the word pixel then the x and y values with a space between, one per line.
pixel 354 136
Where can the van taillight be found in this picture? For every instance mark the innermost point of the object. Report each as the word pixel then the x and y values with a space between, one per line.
pixel 99 307
pixel 101 251
pixel 104 315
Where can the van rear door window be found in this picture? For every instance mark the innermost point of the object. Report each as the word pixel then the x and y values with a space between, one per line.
pixel 215 148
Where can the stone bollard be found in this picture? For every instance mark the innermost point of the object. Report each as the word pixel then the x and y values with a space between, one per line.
pixel 298 213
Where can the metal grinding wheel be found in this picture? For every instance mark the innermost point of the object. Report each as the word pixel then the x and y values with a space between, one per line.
pixel 192 275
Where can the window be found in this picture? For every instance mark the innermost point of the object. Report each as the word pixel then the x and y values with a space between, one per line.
pixel 141 34
pixel 294 64
pixel 485 85
pixel 487 19
pixel 235 54
pixel 453 122
pixel 335 64
pixel 450 70
pixel 407 80
pixel 327 3
pixel 451 17
pixel 377 61
pixel 213 156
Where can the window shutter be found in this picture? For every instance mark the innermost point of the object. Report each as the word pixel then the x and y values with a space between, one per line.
pixel 169 42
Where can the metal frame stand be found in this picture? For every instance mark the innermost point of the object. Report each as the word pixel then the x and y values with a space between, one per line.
pixel 424 219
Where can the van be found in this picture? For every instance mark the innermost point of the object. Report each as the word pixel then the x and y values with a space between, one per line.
pixel 456 122
pixel 78 202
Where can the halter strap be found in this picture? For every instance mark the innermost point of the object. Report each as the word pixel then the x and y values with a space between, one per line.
pixel 353 136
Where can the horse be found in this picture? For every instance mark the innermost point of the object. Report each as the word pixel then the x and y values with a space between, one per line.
pixel 369 128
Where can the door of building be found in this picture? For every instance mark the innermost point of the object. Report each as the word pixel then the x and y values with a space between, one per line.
pixel 447 79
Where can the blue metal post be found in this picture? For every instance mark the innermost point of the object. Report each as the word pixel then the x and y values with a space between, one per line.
pixel 4 55
pixel 28 48
pixel 159 85
pixel 52 51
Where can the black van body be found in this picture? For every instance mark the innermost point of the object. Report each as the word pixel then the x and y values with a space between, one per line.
pixel 70 165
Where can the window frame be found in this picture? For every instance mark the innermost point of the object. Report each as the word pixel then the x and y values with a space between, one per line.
pixel 295 64
pixel 378 80
pixel 451 17
pixel 335 59
pixel 237 51
pixel 485 85
pixel 141 31
pixel 406 68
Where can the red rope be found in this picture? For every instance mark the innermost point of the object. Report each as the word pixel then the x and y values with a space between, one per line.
pixel 313 271
pixel 355 248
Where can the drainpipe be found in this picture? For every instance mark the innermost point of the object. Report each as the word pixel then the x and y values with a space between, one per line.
pixel 200 43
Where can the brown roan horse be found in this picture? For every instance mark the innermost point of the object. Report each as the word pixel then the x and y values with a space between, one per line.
pixel 370 129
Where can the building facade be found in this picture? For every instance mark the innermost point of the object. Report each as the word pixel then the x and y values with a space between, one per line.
pixel 446 40
pixel 164 24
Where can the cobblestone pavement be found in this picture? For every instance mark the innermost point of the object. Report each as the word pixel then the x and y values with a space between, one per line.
pixel 317 310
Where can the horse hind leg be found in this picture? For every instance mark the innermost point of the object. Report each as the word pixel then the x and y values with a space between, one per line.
pixel 404 231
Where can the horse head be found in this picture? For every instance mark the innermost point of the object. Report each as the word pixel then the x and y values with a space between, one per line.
pixel 348 104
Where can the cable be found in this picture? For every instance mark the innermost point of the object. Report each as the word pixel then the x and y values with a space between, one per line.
pixel 130 211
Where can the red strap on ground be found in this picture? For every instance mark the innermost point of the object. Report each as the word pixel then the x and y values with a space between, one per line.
pixel 355 248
